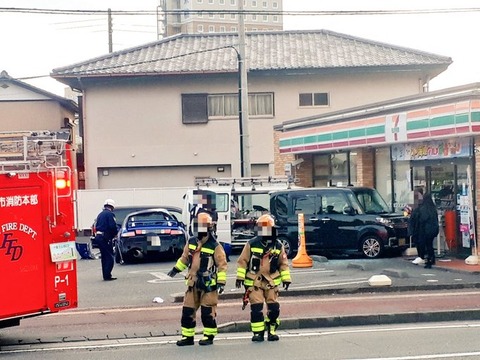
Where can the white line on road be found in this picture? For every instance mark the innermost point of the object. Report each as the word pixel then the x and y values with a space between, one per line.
pixel 103 344
pixel 420 357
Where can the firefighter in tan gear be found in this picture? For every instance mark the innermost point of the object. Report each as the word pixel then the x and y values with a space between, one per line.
pixel 206 262
pixel 262 267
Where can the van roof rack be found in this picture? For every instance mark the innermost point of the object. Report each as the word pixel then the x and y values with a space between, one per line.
pixel 244 181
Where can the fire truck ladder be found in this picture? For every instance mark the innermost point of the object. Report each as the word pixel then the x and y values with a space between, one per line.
pixel 26 151
pixel 244 181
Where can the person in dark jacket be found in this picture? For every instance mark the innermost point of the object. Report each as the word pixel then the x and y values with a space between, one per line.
pixel 424 227
pixel 105 231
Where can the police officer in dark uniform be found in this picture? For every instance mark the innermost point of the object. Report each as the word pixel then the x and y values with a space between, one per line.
pixel 105 231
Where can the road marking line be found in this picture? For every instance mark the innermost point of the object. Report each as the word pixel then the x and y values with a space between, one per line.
pixel 119 343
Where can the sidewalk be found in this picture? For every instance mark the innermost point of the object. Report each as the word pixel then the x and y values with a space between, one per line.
pixel 458 265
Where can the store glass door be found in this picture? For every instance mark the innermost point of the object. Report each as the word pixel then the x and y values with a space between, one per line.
pixel 444 180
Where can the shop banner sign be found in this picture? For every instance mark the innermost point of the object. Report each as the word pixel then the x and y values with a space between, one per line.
pixel 440 149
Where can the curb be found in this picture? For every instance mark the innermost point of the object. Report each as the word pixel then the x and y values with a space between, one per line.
pixel 178 297
pixel 360 320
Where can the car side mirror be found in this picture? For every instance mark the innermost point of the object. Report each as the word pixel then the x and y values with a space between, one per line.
pixel 349 210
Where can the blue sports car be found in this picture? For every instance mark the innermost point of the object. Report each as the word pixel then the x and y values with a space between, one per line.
pixel 149 232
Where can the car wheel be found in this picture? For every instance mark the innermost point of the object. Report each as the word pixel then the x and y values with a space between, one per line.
pixel 287 246
pixel 371 247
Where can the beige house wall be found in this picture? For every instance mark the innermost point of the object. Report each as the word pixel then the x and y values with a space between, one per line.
pixel 21 109
pixel 134 125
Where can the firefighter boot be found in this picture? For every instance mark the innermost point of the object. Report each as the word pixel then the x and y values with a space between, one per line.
pixel 258 336
pixel 271 328
pixel 185 340
pixel 206 340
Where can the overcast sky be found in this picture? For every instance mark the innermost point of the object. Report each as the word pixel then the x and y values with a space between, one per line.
pixel 32 44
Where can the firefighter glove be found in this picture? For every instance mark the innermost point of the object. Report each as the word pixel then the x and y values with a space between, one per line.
pixel 238 284
pixel 173 272
pixel 220 288
pixel 286 284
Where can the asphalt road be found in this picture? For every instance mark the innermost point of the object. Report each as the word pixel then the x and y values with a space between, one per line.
pixel 457 340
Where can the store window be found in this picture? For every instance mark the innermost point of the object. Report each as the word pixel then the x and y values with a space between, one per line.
pixel 335 169
pixel 383 179
pixel 402 182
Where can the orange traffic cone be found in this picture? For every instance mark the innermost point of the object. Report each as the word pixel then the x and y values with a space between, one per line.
pixel 302 260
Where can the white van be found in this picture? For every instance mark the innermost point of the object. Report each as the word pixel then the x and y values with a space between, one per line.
pixel 238 203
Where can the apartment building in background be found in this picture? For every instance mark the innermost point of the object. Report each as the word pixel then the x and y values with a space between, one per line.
pixel 209 16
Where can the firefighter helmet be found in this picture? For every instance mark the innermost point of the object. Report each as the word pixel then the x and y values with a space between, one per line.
pixel 109 202
pixel 204 219
pixel 266 220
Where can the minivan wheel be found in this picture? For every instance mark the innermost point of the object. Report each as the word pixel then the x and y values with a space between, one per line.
pixel 371 247
pixel 286 245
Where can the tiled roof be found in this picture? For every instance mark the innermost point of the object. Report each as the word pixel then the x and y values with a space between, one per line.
pixel 265 51
pixel 66 103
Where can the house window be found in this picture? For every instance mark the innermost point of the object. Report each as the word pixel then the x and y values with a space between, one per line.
pixel 275 18
pixel 265 4
pixel 222 16
pixel 210 15
pixel 254 17
pixel 210 1
pixel 260 104
pixel 194 108
pixel 233 2
pixel 222 29
pixel 226 105
pixel 265 18
pixel 200 28
pixel 222 105
pixel 222 2
pixel 233 16
pixel 199 1
pixel 275 5
pixel 314 99
pixel 254 3
pixel 233 29
pixel 211 28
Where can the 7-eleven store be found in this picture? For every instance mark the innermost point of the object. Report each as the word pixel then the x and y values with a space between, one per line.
pixel 423 143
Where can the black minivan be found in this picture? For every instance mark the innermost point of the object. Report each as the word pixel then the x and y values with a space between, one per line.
pixel 350 220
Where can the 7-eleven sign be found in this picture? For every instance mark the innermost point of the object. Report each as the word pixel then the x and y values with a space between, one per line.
pixel 396 128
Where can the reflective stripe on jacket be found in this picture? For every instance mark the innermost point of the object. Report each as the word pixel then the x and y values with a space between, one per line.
pixel 262 261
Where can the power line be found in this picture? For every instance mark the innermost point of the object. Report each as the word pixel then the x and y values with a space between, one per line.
pixel 245 12
pixel 232 46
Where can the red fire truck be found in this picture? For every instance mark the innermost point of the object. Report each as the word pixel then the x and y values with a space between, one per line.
pixel 38 272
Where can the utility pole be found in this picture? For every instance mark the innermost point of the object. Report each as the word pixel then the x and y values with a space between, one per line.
pixel 110 31
pixel 161 19
pixel 243 99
